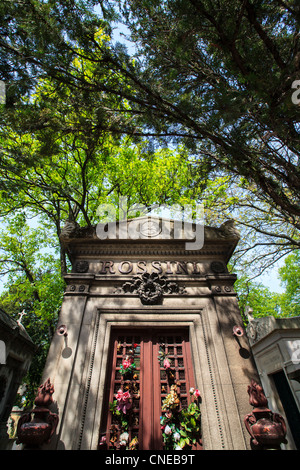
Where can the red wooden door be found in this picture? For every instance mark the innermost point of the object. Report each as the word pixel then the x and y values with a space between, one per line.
pixel 134 400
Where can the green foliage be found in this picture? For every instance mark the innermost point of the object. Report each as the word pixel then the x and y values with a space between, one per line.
pixel 123 419
pixel 181 429
pixel 290 278
pixel 190 423
pixel 263 301
pixel 203 59
pixel 57 168
pixel 198 78
pixel 32 283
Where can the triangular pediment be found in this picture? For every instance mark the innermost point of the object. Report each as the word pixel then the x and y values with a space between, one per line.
pixel 152 232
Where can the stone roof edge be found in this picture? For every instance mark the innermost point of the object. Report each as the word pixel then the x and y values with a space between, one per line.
pixel 11 324
pixel 72 231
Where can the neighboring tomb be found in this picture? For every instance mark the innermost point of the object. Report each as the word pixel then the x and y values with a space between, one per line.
pixel 16 352
pixel 275 343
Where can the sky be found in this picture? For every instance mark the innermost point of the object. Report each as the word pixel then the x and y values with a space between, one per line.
pixel 271 279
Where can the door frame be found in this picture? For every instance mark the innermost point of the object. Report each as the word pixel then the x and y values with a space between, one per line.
pixel 150 380
pixel 209 360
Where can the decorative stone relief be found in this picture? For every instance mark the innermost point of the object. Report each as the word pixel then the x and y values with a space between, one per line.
pixel 150 228
pixel 257 329
pixel 81 266
pixel 74 288
pixel 218 289
pixel 151 287
pixel 217 267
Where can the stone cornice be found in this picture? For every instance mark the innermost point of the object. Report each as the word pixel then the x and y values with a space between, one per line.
pixel 83 241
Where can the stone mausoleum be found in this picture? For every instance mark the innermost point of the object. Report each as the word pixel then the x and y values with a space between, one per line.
pixel 275 345
pixel 169 310
pixel 16 352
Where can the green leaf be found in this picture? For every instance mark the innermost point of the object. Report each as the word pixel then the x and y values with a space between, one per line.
pixel 193 422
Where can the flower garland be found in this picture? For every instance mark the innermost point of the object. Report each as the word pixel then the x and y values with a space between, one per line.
pixel 180 428
pixel 122 405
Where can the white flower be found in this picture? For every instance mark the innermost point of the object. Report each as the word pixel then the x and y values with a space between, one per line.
pixel 178 447
pixel 168 430
pixel 176 436
pixel 192 390
pixel 124 438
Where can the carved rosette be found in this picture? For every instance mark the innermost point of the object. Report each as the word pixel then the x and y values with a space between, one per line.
pixel 81 266
pixel 151 287
pixel 217 267
pixel 37 426
pixel 267 429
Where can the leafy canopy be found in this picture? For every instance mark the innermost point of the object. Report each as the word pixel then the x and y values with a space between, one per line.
pixel 216 76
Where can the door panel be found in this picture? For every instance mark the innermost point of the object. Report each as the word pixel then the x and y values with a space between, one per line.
pixel 148 384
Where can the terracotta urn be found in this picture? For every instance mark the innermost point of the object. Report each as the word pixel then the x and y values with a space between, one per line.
pixel 37 426
pixel 44 395
pixel 39 430
pixel 267 429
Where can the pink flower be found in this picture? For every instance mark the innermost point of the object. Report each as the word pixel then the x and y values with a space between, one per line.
pixel 126 396
pixel 119 395
pixel 197 393
pixel 123 400
pixel 126 363
pixel 167 364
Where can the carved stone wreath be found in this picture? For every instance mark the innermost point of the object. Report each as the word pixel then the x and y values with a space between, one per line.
pixel 151 287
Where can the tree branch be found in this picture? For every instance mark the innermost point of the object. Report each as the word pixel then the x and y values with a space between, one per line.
pixel 270 45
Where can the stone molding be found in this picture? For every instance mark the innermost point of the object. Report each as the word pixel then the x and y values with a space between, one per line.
pixel 259 328
pixel 216 416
